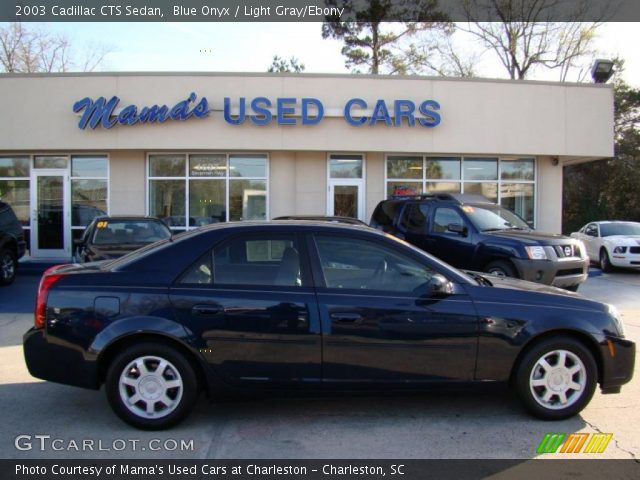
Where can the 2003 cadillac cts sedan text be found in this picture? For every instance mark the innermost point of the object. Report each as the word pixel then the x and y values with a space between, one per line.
pixel 291 305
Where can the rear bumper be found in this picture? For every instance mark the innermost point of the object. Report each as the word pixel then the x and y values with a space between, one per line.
pixel 57 362
pixel 617 369
pixel 561 273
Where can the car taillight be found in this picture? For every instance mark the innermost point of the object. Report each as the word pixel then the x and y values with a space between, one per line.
pixel 46 282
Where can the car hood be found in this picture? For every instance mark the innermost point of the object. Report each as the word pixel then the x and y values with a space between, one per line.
pixel 623 240
pixel 536 293
pixel 532 237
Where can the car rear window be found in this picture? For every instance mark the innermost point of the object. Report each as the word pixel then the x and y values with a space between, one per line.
pixel 119 232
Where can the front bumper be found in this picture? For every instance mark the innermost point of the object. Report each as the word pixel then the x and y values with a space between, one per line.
pixel 559 273
pixel 618 363
pixel 58 362
pixel 628 260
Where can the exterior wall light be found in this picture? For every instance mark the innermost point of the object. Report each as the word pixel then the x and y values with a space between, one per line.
pixel 602 70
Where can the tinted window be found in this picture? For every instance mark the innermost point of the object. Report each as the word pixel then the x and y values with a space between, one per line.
pixel 414 217
pixel 444 217
pixel 266 260
pixel 367 265
pixel 385 213
pixel 112 232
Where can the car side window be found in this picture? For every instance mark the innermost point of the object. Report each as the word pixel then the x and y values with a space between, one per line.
pixel 445 216
pixel 359 264
pixel 414 217
pixel 272 260
pixel 591 230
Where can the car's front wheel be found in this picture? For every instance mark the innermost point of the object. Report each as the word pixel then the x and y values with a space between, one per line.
pixel 605 261
pixel 501 268
pixel 556 378
pixel 8 266
pixel 151 386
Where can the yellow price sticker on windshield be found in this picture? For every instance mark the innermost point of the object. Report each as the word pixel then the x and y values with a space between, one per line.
pixel 467 209
pixel 102 224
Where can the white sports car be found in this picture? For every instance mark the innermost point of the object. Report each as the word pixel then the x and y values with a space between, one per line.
pixel 612 244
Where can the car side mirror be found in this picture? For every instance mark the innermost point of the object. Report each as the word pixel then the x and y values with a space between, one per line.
pixel 457 228
pixel 439 286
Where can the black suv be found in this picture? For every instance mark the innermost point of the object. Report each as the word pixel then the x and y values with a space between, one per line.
pixel 470 232
pixel 12 244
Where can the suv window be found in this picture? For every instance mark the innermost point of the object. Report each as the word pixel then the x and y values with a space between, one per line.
pixel 385 213
pixel 444 217
pixel 414 217
pixel 266 260
pixel 358 264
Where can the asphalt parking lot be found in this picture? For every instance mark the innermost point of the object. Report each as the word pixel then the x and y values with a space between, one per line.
pixel 56 421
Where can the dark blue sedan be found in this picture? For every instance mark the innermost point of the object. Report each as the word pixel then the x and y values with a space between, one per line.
pixel 298 305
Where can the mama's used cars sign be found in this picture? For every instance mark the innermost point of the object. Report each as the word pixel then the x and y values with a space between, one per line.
pixel 259 111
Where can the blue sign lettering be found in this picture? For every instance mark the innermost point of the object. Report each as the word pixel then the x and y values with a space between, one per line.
pixel 101 112
pixel 260 111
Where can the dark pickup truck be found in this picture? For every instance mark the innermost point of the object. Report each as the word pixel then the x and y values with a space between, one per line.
pixel 470 232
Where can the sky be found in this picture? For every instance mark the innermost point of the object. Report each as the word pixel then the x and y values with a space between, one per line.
pixel 250 47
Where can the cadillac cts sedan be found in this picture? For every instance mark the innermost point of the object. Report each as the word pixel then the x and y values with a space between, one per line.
pixel 286 306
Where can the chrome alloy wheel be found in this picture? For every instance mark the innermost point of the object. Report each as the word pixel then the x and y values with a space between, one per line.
pixel 7 266
pixel 558 379
pixel 150 387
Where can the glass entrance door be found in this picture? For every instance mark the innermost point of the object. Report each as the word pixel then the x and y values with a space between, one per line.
pixel 345 199
pixel 50 219
pixel 346 186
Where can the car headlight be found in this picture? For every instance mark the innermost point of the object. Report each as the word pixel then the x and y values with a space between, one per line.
pixel 620 250
pixel 615 315
pixel 536 253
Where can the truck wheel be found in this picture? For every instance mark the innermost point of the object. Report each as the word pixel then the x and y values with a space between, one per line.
pixel 501 268
pixel 151 386
pixel 556 378
pixel 8 266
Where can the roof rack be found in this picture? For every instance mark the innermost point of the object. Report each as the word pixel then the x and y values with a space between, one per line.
pixel 425 196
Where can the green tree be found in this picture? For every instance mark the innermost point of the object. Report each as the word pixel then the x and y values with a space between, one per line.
pixel 280 65
pixel 373 37
pixel 607 189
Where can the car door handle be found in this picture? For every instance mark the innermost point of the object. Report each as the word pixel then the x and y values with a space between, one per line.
pixel 206 310
pixel 346 317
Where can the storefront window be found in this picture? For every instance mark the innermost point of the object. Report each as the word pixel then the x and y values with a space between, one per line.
pixel 89 190
pixel 345 166
pixel 16 194
pixel 443 168
pixel 207 202
pixel 509 182
pixel 404 167
pixel 50 161
pixel 210 187
pixel 247 200
pixel 14 166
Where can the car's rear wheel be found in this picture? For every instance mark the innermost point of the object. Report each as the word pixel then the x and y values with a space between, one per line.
pixel 151 386
pixel 556 378
pixel 8 266
pixel 605 262
pixel 501 268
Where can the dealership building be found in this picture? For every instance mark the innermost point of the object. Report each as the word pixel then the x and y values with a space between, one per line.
pixel 198 148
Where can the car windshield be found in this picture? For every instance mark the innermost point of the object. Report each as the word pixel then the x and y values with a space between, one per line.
pixel 622 228
pixel 493 217
pixel 122 232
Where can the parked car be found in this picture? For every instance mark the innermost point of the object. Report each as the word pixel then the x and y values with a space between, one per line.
pixel 237 307
pixel 469 231
pixel 611 244
pixel 12 244
pixel 324 218
pixel 109 237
